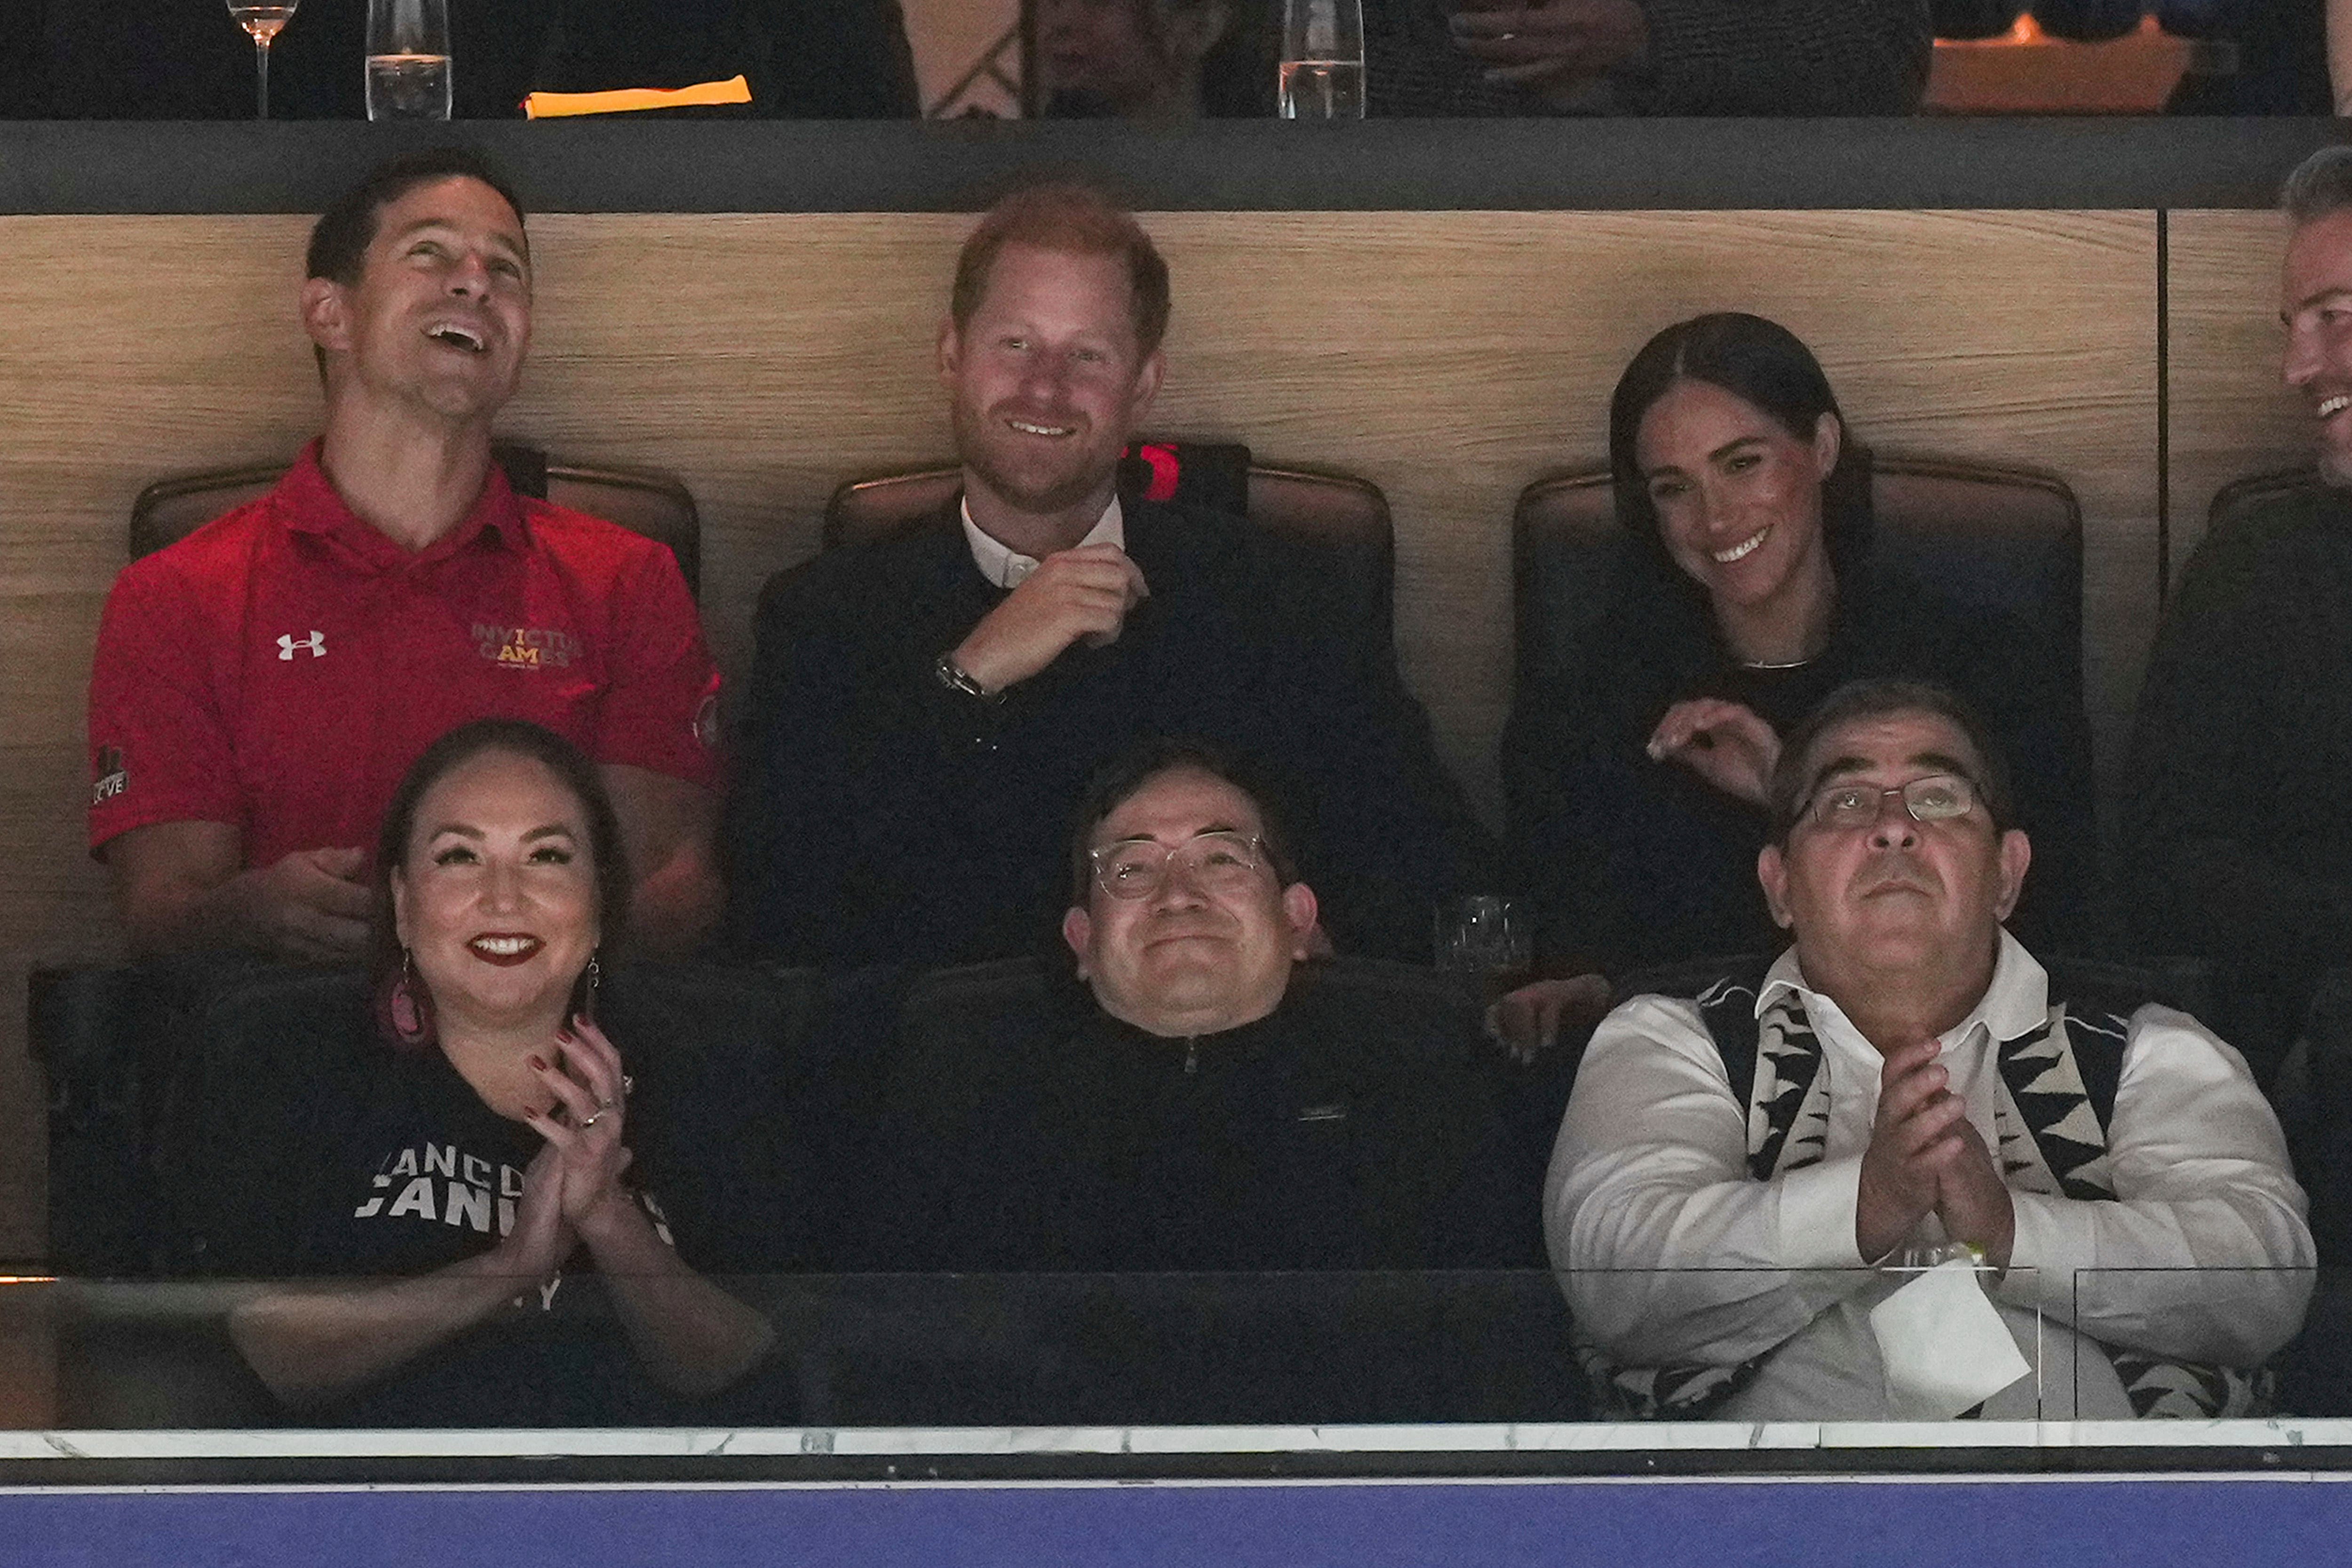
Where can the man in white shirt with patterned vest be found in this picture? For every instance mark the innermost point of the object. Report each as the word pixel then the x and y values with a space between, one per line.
pixel 1904 1081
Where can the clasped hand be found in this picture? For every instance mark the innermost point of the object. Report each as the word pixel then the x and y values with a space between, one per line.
pixel 1724 743
pixel 1926 1157
pixel 1082 593
pixel 571 1190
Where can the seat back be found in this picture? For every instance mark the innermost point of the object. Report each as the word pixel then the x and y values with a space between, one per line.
pixel 1345 517
pixel 88 1034
pixel 1989 538
pixel 2256 493
pixel 653 504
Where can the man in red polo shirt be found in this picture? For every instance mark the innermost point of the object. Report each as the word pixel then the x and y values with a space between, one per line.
pixel 261 686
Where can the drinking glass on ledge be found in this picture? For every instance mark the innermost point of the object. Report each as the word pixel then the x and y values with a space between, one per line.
pixel 1322 70
pixel 408 73
pixel 263 23
pixel 1488 941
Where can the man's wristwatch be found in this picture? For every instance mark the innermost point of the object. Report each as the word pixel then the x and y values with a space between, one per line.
pixel 951 674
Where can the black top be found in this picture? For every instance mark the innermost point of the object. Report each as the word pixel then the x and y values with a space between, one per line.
pixel 1275 1196
pixel 1633 863
pixel 882 817
pixel 305 1147
pixel 1357 1127
pixel 2235 838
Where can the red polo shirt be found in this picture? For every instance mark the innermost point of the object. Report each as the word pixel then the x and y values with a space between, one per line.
pixel 280 667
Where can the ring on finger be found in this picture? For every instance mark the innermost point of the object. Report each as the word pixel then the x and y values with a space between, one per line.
pixel 592 1119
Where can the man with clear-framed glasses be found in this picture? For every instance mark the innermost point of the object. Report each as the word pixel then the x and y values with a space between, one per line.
pixel 1904 1082
pixel 1209 1096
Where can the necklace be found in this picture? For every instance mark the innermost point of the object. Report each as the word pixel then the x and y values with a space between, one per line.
pixel 1767 664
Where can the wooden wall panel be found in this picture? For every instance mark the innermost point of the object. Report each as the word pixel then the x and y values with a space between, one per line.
pixel 2230 414
pixel 1450 358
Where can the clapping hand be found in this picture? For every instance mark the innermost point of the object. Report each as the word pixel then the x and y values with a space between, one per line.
pixel 583 1131
pixel 1973 1202
pixel 1919 1129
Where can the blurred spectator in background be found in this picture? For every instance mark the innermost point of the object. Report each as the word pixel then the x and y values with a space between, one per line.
pixel 804 59
pixel 2272 56
pixel 169 59
pixel 1168 61
pixel 1646 57
pixel 173 59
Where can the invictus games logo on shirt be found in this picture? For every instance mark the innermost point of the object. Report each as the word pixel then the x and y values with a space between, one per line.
pixel 113 778
pixel 527 648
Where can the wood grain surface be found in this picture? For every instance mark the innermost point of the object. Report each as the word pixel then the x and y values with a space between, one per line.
pixel 2229 414
pixel 1450 358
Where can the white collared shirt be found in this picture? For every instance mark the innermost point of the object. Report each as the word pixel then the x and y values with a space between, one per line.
pixel 1008 568
pixel 1651 1174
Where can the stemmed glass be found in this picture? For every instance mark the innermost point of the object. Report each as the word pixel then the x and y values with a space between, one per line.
pixel 265 23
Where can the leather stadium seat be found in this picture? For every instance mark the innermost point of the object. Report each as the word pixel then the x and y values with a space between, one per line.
pixel 1347 516
pixel 652 504
pixel 2256 492
pixel 1998 539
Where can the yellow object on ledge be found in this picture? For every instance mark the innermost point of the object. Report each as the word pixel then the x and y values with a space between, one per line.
pixel 629 99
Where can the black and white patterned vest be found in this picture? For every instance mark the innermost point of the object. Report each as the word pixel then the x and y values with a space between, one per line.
pixel 2055 1101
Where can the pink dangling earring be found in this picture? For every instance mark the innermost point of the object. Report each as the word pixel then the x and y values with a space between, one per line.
pixel 412 1010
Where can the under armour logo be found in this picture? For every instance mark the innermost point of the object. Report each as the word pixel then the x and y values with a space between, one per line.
pixel 288 642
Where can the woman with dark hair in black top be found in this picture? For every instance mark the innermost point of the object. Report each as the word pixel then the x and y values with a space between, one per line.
pixel 1636 780
pixel 452 1171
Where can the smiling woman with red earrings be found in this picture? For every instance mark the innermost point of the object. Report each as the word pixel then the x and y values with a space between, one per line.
pixel 1635 769
pixel 480 1166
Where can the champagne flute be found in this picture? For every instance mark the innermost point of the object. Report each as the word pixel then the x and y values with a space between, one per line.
pixel 264 23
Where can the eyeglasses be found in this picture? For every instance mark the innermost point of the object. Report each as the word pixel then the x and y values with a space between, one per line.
pixel 1938 797
pixel 1218 861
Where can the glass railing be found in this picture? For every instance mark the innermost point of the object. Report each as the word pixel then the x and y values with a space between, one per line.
pixel 2210 1343
pixel 1903 1354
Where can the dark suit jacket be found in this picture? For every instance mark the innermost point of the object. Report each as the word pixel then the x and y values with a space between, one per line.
pixel 882 817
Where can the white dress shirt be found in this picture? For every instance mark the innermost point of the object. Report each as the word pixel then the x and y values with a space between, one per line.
pixel 1650 1173
pixel 1008 568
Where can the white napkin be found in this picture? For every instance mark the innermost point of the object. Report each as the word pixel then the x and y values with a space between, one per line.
pixel 1945 1347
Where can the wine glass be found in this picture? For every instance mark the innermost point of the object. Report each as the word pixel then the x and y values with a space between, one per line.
pixel 264 23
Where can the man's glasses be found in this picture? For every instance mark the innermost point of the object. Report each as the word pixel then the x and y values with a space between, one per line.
pixel 1136 868
pixel 1938 797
